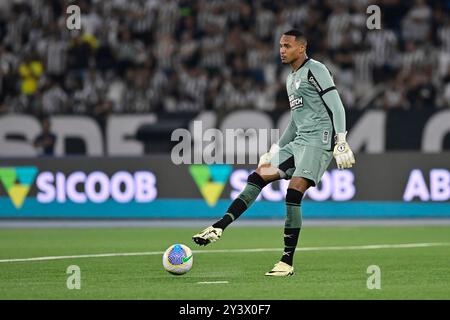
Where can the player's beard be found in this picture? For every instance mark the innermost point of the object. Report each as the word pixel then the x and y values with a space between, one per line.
pixel 290 61
pixel 286 61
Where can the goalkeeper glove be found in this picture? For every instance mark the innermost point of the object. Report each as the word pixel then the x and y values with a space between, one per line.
pixel 342 152
pixel 266 157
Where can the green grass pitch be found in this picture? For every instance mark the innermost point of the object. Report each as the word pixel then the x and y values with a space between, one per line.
pixel 339 273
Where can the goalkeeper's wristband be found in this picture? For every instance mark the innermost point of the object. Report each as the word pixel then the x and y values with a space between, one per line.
pixel 340 137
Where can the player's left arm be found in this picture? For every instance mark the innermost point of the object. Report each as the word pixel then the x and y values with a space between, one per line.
pixel 321 79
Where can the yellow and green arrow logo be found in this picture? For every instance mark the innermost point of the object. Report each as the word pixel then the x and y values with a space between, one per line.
pixel 17 182
pixel 210 180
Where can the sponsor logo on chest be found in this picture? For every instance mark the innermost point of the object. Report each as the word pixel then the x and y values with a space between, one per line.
pixel 295 102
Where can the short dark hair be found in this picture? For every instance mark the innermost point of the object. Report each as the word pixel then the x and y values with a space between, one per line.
pixel 296 33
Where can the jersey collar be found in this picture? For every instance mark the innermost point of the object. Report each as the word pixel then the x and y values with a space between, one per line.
pixel 306 60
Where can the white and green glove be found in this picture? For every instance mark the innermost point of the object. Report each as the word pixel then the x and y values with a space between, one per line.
pixel 266 157
pixel 342 152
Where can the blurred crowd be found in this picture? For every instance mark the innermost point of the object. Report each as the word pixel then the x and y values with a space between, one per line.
pixel 176 57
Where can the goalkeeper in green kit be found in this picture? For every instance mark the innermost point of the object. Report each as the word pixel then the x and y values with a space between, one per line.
pixel 316 133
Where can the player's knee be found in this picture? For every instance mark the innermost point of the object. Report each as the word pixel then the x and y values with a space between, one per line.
pixel 300 184
pixel 267 173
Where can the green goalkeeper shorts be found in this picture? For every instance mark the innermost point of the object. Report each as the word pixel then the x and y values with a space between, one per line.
pixel 298 160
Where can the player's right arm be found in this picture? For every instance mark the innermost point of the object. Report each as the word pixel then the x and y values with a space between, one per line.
pixel 288 135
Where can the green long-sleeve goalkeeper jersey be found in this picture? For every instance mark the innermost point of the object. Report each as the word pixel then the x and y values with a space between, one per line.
pixel 317 113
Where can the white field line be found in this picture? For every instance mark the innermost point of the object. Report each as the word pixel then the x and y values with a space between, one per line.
pixel 212 282
pixel 150 253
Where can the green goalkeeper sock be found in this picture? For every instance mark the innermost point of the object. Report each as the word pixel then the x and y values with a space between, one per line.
pixel 292 224
pixel 255 183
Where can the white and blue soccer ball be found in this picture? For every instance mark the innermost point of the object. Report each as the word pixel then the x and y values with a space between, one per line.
pixel 178 259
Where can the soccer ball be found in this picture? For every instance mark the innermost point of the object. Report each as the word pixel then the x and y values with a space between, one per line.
pixel 178 259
